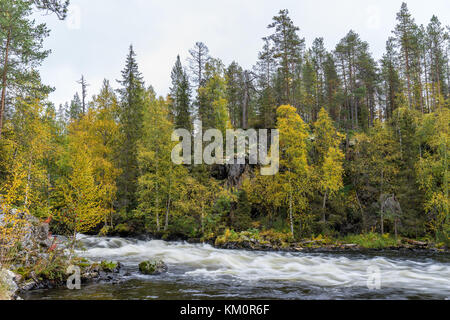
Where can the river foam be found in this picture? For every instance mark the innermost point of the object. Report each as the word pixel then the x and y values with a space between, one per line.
pixel 201 261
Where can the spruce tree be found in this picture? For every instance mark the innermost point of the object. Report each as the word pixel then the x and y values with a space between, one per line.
pixel 75 110
pixel 180 93
pixel 131 106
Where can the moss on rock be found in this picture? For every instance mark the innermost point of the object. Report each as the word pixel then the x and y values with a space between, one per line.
pixel 153 267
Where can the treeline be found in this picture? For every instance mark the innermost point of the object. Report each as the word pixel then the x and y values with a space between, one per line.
pixel 363 143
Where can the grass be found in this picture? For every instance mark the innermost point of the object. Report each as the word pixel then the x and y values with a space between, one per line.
pixel 371 240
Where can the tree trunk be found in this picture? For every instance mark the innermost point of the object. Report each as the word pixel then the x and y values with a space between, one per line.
pixel 408 77
pixel 421 87
pixel 158 225
pixel 426 83
pixel 291 215
pixel 203 221
pixel 324 218
pixel 28 184
pixel 245 102
pixel 166 225
pixel 4 79
pixel 395 228
pixel 363 216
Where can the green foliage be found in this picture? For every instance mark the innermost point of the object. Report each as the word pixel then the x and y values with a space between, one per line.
pixel 53 269
pixel 280 239
pixel 131 118
pixel 212 102
pixel 180 94
pixel 242 216
pixel 152 267
pixel 108 266
pixel 371 240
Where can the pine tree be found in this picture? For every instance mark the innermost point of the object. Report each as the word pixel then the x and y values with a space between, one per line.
pixel 318 56
pixel 310 95
pixel 438 61
pixel 21 50
pixel 212 103
pixel 287 48
pixel 198 60
pixel 234 76
pixel 59 7
pixel 333 91
pixel 406 40
pixel 266 105
pixel 391 79
pixel 359 77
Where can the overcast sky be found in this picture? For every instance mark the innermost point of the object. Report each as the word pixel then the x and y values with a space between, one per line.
pixel 94 40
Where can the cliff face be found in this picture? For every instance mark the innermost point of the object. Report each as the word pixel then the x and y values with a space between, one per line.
pixel 35 238
pixel 233 174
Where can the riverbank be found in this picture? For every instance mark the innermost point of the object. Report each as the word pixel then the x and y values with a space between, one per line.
pixel 270 240
pixel 371 242
pixel 15 282
pixel 32 258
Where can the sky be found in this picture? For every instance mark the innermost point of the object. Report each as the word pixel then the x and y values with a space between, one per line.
pixel 95 38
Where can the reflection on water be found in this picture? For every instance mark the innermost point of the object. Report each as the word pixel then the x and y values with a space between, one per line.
pixel 203 272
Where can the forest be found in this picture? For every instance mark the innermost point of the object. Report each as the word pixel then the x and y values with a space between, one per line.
pixel 363 143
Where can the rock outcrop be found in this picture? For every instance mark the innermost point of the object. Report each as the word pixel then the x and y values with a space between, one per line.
pixel 36 241
pixel 8 286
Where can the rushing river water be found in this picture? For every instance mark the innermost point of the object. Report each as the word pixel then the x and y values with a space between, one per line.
pixel 203 272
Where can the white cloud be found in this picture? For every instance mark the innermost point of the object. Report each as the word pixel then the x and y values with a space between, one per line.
pixel 160 30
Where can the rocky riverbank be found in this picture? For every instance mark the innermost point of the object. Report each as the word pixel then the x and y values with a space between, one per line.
pixel 15 284
pixel 311 247
pixel 39 260
pixel 271 241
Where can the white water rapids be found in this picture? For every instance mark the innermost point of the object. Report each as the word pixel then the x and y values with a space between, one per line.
pixel 409 275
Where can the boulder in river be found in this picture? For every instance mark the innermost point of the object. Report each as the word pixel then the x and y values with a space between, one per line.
pixel 153 267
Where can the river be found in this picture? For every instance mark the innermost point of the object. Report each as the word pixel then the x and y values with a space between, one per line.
pixel 198 271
